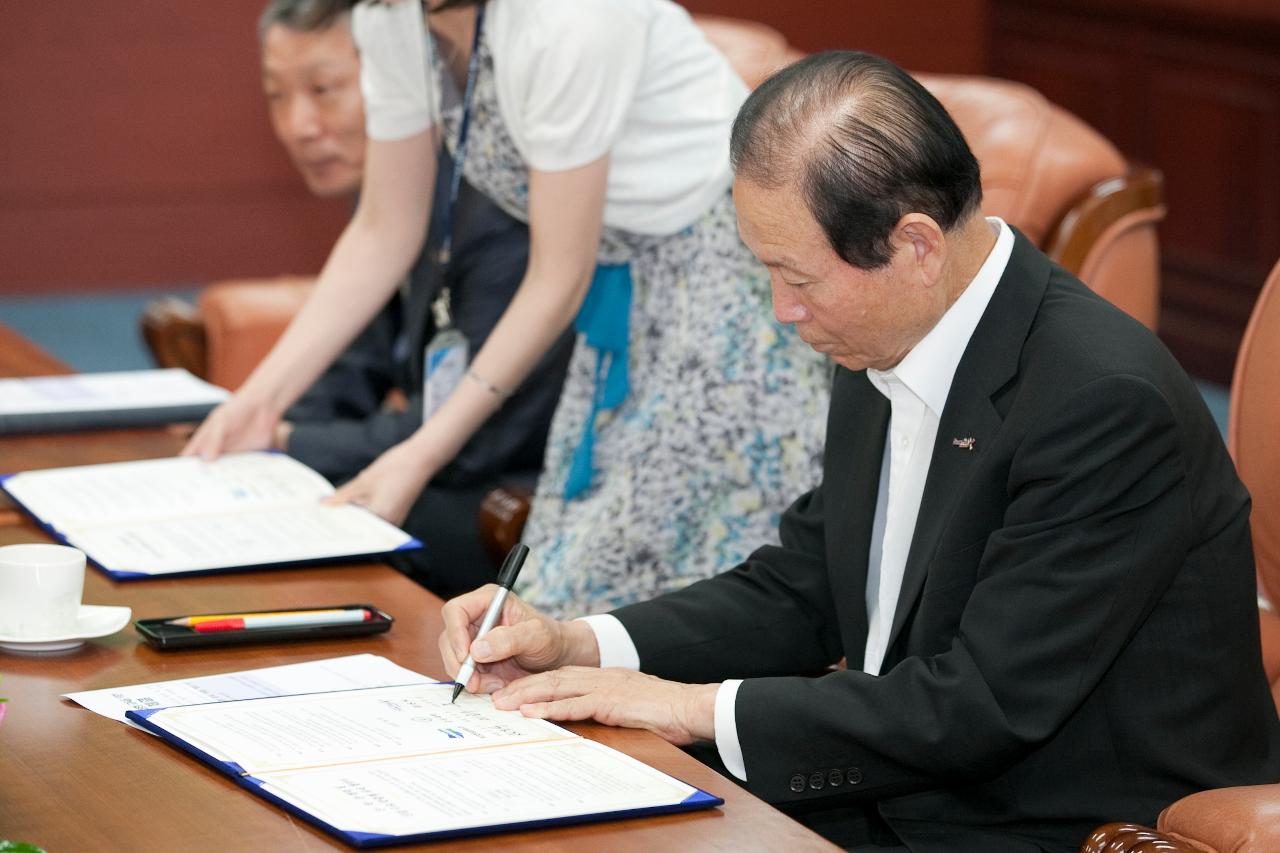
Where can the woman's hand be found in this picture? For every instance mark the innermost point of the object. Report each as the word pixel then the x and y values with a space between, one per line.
pixel 390 485
pixel 238 424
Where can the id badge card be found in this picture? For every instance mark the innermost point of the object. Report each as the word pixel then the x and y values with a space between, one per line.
pixel 443 366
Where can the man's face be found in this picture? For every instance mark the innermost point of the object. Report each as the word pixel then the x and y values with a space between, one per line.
pixel 858 318
pixel 312 84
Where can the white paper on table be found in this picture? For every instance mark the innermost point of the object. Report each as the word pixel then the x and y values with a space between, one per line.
pixel 261 538
pixel 290 732
pixel 344 673
pixel 162 516
pixel 534 781
pixel 155 489
pixel 85 392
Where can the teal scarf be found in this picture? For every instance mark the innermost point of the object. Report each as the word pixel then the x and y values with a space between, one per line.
pixel 604 320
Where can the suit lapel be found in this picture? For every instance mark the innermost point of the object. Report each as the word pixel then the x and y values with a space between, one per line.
pixel 851 485
pixel 989 362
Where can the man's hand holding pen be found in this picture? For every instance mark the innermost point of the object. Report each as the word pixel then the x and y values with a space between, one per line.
pixel 550 670
pixel 523 641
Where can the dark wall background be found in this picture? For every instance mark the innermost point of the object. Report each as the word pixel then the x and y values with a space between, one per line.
pixel 1193 88
pixel 135 151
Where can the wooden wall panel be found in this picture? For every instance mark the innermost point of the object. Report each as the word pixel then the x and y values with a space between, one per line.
pixel 135 150
pixel 1223 129
pixel 1192 88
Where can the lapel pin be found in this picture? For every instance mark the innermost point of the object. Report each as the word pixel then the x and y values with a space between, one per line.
pixel 964 443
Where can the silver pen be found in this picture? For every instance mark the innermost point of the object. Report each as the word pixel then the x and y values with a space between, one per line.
pixel 506 579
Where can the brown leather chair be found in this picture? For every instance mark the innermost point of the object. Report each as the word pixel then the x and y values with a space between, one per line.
pixel 234 326
pixel 754 50
pixel 1247 818
pixel 1063 185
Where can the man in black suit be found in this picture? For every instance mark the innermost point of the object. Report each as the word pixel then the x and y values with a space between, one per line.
pixel 311 78
pixel 1029 545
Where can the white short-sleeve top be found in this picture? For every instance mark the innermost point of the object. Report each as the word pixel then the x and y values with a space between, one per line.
pixel 576 79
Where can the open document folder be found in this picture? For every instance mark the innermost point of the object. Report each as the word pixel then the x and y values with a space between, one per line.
pixel 182 515
pixel 390 765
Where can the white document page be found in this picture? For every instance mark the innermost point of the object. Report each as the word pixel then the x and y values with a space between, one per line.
pixel 308 731
pixel 344 673
pixel 434 793
pixel 160 516
pixel 176 487
pixel 262 538
pixel 131 389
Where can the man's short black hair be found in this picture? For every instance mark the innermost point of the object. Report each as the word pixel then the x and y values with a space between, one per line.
pixel 309 16
pixel 864 143
pixel 303 16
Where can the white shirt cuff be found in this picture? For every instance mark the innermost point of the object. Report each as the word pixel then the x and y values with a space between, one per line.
pixel 616 647
pixel 727 728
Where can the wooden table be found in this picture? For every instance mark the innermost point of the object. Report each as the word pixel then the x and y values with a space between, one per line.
pixel 71 780
pixel 21 357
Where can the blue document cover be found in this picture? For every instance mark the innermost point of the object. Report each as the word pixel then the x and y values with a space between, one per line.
pixel 519 756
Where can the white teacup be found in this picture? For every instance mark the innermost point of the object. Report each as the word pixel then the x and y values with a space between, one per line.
pixel 40 590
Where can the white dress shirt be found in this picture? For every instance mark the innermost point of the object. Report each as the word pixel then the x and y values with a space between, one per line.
pixel 917 389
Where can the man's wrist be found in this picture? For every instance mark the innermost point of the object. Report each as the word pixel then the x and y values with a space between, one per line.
pixel 581 647
pixel 614 646
pixel 700 711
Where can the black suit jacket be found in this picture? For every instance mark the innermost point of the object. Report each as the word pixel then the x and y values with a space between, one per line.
pixel 1076 639
pixel 340 425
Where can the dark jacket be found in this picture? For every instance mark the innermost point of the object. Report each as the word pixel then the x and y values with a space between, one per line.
pixel 1076 639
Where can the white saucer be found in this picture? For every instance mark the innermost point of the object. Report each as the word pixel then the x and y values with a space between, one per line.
pixel 92 621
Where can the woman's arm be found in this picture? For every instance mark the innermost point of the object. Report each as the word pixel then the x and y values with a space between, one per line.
pixel 566 213
pixel 370 258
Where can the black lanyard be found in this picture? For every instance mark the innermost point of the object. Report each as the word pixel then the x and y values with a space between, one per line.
pixel 460 150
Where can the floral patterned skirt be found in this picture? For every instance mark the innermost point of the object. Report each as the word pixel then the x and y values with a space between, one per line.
pixel 721 431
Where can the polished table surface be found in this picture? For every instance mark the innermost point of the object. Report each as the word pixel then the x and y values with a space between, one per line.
pixel 21 357
pixel 71 780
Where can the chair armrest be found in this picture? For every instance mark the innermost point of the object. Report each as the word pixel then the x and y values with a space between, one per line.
pixel 502 515
pixel 1106 202
pixel 1107 237
pixel 1133 838
pixel 174 332
pixel 1226 819
pixel 1216 821
pixel 1269 626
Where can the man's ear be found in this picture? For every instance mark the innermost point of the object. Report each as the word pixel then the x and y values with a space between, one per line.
pixel 922 235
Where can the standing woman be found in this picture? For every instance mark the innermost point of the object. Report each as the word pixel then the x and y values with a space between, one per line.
pixel 690 417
